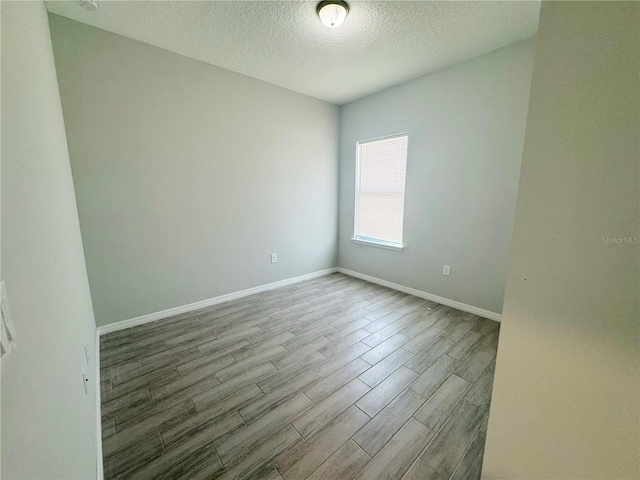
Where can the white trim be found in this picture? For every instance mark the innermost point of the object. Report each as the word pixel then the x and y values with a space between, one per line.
pixel 100 467
pixel 428 296
pixel 152 317
pixel 398 247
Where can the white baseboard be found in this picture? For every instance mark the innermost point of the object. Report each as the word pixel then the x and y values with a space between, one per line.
pixel 428 296
pixel 152 317
pixel 99 465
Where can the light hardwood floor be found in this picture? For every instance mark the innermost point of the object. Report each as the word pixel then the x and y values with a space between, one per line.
pixel 333 378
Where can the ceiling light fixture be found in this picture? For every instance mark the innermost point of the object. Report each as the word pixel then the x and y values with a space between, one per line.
pixel 332 12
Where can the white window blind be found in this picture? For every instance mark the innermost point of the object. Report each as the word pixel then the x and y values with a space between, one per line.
pixel 380 184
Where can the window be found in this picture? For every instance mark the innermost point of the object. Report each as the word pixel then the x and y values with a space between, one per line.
pixel 380 179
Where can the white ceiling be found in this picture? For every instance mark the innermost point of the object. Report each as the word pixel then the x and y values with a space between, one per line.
pixel 380 44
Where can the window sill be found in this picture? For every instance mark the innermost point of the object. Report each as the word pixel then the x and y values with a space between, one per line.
pixel 397 247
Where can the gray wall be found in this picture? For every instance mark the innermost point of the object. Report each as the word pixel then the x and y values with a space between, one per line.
pixel 48 423
pixel 466 130
pixel 189 176
pixel 565 398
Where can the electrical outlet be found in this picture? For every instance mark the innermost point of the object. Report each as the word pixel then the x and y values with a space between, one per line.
pixel 85 380
pixel 446 270
pixel 86 353
pixel 274 258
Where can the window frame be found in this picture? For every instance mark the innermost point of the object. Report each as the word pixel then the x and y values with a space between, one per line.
pixel 376 242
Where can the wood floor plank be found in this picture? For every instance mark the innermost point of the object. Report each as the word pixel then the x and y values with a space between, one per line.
pixel 443 402
pixel 384 321
pixel 228 340
pixel 193 458
pixel 375 315
pixel 127 352
pixel 293 312
pixel 474 364
pixel 485 327
pixel 123 463
pixel 248 438
pixel 190 378
pixel 253 349
pixel 456 332
pixel 268 330
pixel 385 367
pixel 329 408
pixel 418 326
pixel 260 458
pixel 421 470
pixel 333 382
pixel 120 368
pixel 427 383
pixel 214 363
pixel 341 359
pixel 345 342
pixel 428 356
pixel 171 356
pixel 385 424
pixel 108 428
pixel 387 347
pixel 399 325
pixel 490 341
pixel 307 342
pixel 451 442
pixel 200 360
pixel 208 418
pixel 470 467
pixel 226 389
pixel 385 299
pixel 249 363
pixel 345 463
pixel 144 374
pixel 139 413
pixel 130 436
pixel 312 329
pixel 466 344
pixel 480 393
pixel 398 454
pixel 108 341
pixel 204 334
pixel 271 475
pixel 109 408
pixel 373 339
pixel 166 373
pixel 349 317
pixel 294 357
pixel 422 340
pixel 387 390
pixel 261 406
pixel 345 330
pixel 300 462
pixel 281 377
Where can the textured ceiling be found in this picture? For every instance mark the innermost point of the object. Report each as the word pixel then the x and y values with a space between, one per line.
pixel 380 44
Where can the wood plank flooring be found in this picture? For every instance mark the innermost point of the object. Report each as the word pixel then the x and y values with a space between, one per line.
pixel 333 378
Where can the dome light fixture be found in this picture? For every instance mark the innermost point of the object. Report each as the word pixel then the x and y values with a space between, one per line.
pixel 332 12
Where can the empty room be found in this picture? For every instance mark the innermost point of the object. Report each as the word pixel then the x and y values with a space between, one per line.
pixel 335 240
